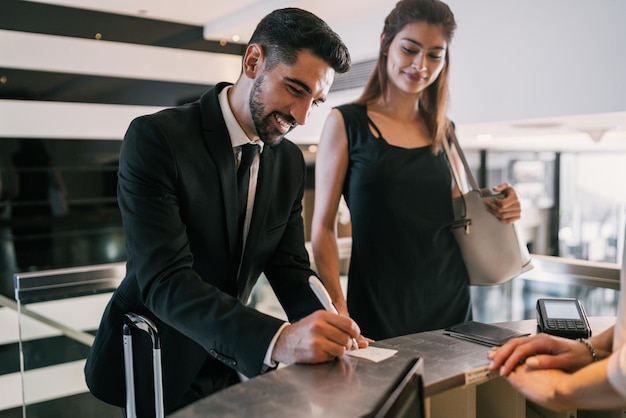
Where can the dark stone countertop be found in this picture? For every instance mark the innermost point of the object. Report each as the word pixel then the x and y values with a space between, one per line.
pixel 350 387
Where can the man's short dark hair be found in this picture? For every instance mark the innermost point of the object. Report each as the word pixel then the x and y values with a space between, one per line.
pixel 285 32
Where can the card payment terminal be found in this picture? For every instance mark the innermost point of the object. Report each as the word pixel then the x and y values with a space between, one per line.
pixel 564 317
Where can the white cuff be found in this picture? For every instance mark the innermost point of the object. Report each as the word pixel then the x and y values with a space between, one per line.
pixel 268 355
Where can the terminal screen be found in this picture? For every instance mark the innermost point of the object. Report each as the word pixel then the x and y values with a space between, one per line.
pixel 561 310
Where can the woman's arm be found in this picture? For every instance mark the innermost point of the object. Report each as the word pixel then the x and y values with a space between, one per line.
pixel 330 171
pixel 543 351
pixel 559 373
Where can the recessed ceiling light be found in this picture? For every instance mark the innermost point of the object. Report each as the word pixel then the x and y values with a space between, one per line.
pixel 536 125
pixel 236 38
pixel 596 134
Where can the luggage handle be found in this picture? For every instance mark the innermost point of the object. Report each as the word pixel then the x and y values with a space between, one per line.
pixel 146 325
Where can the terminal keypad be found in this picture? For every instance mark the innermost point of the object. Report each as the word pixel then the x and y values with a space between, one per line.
pixel 566 324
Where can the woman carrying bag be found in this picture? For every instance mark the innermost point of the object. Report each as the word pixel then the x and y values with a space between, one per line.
pixel 384 154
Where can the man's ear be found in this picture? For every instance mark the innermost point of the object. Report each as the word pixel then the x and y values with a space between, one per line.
pixel 253 60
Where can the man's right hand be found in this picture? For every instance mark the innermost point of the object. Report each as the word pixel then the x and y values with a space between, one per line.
pixel 317 338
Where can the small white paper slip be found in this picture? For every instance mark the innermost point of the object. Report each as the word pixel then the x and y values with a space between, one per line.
pixel 375 354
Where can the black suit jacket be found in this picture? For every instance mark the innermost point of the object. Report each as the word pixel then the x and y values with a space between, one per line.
pixel 177 195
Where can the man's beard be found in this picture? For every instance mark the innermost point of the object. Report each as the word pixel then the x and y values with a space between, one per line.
pixel 265 123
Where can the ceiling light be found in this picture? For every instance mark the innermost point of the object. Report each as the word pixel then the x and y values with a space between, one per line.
pixel 596 134
pixel 236 38
pixel 536 125
pixel 214 28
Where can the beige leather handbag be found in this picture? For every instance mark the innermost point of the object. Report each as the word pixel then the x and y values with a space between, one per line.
pixel 493 252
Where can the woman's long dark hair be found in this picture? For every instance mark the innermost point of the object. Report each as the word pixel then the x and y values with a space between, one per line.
pixel 434 100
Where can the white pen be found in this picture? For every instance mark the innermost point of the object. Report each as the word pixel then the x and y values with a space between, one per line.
pixel 324 298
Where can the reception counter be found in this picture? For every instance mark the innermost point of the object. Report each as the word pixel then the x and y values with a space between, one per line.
pixel 456 383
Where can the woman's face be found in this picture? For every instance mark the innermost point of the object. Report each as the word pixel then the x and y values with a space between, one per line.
pixel 416 57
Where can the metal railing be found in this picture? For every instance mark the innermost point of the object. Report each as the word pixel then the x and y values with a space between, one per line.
pixel 574 272
pixel 55 284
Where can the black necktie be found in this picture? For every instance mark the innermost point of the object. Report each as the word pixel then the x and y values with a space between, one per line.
pixel 248 151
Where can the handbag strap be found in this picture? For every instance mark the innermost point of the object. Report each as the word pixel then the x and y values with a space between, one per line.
pixel 461 221
pixel 457 178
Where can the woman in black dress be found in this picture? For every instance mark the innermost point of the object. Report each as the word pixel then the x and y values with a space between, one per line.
pixel 384 154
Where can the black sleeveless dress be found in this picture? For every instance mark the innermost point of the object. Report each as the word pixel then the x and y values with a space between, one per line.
pixel 406 272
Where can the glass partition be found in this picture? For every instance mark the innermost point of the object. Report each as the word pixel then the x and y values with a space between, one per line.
pixel 58 205
pixel 58 313
pixel 595 284
pixel 593 206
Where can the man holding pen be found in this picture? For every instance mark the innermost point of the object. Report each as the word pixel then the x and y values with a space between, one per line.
pixel 191 263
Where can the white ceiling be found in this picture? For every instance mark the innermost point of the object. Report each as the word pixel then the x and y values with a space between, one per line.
pixel 199 12
pixel 359 23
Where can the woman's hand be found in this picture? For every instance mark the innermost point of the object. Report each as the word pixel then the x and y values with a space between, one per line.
pixel 541 351
pixel 506 207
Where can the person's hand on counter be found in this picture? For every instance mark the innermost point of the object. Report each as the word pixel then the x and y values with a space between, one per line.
pixel 541 351
pixel 558 390
pixel 559 373
pixel 319 337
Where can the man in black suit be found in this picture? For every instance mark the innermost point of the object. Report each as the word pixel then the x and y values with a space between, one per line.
pixel 178 197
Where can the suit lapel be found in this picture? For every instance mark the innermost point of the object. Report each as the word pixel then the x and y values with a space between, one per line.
pixel 221 152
